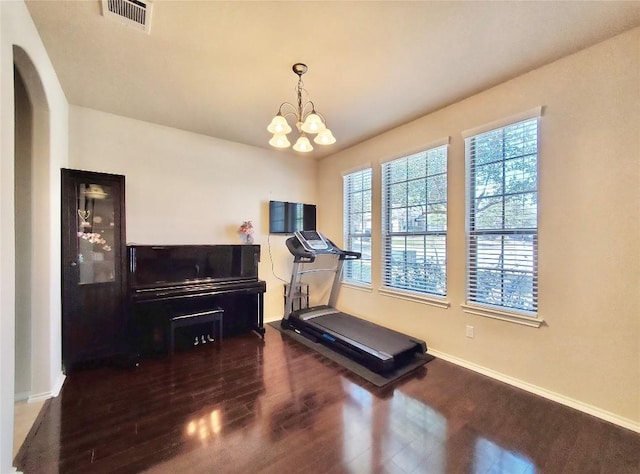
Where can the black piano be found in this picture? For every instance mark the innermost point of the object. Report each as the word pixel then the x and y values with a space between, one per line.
pixel 169 280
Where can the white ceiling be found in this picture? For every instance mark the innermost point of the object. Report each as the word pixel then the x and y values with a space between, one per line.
pixel 223 68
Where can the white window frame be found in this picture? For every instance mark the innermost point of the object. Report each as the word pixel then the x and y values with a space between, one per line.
pixel 357 200
pixel 418 233
pixel 522 258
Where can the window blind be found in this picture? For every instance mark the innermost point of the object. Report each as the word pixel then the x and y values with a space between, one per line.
pixel 357 225
pixel 502 223
pixel 414 222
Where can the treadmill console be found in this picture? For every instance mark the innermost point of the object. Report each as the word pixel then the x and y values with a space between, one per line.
pixel 312 241
pixel 306 244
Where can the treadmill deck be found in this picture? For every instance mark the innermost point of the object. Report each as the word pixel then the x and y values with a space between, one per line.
pixel 376 337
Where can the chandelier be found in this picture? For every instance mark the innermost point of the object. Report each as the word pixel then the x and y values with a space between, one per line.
pixel 308 120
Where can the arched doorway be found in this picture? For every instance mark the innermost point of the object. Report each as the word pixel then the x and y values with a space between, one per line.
pixel 33 341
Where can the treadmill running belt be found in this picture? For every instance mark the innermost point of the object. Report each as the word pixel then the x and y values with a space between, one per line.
pixel 366 333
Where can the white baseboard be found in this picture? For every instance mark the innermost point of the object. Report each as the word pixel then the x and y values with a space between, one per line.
pixel 55 391
pixel 39 397
pixel 556 397
pixel 59 383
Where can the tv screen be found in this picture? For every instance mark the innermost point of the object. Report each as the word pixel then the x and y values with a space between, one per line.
pixel 288 217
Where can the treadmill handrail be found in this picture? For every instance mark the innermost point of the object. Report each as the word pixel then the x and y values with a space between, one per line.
pixel 350 255
pixel 299 253
pixel 344 254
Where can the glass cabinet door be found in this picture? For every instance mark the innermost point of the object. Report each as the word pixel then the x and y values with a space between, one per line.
pixel 95 232
pixel 94 267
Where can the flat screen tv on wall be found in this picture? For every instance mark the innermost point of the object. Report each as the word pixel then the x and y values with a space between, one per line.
pixel 288 217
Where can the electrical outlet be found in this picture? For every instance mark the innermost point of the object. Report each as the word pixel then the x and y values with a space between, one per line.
pixel 469 332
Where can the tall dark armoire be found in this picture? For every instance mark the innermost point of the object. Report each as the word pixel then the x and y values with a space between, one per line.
pixel 94 268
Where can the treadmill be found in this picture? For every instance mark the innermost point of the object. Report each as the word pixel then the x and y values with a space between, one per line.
pixel 377 348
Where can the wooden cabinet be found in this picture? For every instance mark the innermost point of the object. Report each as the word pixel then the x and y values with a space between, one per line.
pixel 94 317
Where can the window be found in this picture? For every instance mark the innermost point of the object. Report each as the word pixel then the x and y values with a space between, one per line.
pixel 414 227
pixel 502 224
pixel 357 225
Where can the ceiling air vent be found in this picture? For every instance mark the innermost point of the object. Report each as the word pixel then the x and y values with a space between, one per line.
pixel 134 13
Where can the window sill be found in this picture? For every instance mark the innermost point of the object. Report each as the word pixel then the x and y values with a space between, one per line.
pixel 416 297
pixel 510 317
pixel 357 286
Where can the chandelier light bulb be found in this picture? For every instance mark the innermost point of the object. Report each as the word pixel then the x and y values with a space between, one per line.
pixel 279 125
pixel 279 140
pixel 313 124
pixel 325 137
pixel 303 144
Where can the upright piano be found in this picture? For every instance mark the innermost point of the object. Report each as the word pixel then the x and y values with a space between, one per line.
pixel 169 280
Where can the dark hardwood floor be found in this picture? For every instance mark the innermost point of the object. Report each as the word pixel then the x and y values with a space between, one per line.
pixel 277 407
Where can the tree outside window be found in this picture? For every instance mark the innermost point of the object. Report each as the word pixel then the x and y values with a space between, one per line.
pixel 502 227
pixel 415 223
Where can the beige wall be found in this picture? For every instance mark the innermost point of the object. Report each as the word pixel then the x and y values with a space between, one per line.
pixel 587 353
pixel 185 188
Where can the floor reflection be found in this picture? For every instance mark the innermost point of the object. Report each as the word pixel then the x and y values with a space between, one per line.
pixel 489 457
pixel 403 434
pixel 357 419
pixel 425 430
pixel 204 428
pixel 298 413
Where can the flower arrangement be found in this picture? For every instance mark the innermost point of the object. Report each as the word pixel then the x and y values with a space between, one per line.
pixel 246 228
pixel 95 238
pixel 246 232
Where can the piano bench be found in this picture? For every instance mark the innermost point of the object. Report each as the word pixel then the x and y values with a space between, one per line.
pixel 213 316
